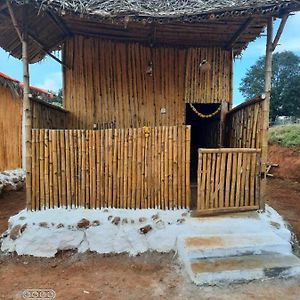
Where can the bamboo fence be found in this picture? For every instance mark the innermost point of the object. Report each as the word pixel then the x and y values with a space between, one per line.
pixel 130 85
pixel 44 115
pixel 10 130
pixel 244 125
pixel 228 178
pixel 120 168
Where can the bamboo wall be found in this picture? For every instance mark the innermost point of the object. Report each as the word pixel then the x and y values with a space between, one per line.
pixel 44 116
pixel 244 125
pixel 127 84
pixel 228 178
pixel 121 168
pixel 10 130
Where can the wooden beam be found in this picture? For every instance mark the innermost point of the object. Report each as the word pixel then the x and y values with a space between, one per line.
pixel 279 31
pixel 31 36
pixel 238 34
pixel 266 110
pixel 59 23
pixel 39 43
pixel 247 103
pixel 219 211
pixel 14 20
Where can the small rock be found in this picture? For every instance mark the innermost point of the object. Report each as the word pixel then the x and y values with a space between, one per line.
pixel 109 218
pixel 132 221
pixel 83 223
pixel 23 228
pixel 105 210
pixel 15 180
pixel 155 217
pixel 145 229
pixel 19 185
pixel 180 221
pixel 116 220
pixel 160 224
pixel 15 232
pixel 22 218
pixel 60 225
pixel 142 220
pixel 124 221
pixel 95 223
pixel 275 224
pixel 43 224
pixel 184 214
pixel 25 263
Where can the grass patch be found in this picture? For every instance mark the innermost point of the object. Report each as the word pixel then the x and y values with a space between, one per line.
pixel 285 135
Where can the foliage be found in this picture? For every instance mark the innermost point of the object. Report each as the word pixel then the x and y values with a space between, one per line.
pixel 285 84
pixel 285 135
pixel 57 98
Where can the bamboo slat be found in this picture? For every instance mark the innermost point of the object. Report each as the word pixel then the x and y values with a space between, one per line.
pixel 121 168
pixel 228 179
pixel 137 81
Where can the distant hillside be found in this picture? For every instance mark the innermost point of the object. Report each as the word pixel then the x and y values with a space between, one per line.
pixel 285 135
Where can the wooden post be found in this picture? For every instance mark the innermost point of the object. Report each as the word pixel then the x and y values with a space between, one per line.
pixel 266 109
pixel 27 115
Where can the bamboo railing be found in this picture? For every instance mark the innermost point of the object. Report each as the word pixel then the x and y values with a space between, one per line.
pixel 228 178
pixel 120 168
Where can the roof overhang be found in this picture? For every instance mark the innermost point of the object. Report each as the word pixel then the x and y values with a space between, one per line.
pixel 211 25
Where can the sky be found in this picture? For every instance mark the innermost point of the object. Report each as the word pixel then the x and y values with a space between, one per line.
pixel 47 74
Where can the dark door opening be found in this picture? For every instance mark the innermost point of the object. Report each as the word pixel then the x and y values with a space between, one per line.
pixel 205 132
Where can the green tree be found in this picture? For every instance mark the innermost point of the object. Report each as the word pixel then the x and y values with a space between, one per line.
pixel 57 97
pixel 285 84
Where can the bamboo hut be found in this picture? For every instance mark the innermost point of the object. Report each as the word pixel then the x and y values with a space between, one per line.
pixel 11 91
pixel 148 95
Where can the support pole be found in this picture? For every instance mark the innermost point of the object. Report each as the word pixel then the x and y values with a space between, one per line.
pixel 266 110
pixel 27 115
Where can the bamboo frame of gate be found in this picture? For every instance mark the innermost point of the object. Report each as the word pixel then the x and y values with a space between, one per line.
pixel 120 168
pixel 228 179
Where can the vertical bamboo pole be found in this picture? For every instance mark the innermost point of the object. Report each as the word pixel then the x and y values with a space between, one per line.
pixel 27 116
pixel 266 109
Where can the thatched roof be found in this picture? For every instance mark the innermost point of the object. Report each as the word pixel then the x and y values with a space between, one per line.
pixel 229 24
pixel 160 8
pixel 16 88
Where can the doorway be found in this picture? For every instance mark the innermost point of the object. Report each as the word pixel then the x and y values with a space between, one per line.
pixel 205 132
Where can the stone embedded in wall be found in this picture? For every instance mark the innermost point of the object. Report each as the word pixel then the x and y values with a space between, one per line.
pixel 12 180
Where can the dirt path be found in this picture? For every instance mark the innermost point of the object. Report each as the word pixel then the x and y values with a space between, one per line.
pixel 149 276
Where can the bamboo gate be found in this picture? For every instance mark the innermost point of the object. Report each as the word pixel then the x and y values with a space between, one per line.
pixel 120 168
pixel 229 179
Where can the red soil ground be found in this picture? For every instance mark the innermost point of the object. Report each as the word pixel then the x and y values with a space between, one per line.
pixel 149 276
pixel 288 160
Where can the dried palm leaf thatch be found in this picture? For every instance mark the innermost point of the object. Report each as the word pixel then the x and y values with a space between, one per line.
pixel 160 8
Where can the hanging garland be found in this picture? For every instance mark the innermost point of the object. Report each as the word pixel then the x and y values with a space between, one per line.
pixel 200 115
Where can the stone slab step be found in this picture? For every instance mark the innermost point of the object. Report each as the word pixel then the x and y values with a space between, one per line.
pixel 242 268
pixel 207 246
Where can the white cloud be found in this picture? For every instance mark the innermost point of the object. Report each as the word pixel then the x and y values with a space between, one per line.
pixel 52 82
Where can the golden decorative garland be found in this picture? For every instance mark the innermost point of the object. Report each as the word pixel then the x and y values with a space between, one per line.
pixel 199 114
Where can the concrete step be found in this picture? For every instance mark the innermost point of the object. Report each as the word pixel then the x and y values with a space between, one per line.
pixel 242 268
pixel 208 246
